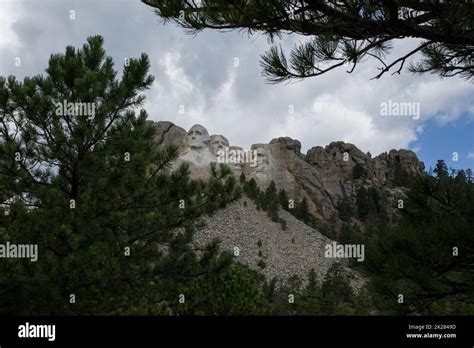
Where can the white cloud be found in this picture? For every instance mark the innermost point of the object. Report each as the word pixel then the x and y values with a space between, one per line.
pixel 181 84
pixel 198 72
pixel 330 119
pixel 9 14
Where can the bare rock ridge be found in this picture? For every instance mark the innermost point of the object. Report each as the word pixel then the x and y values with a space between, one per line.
pixel 168 133
pixel 325 175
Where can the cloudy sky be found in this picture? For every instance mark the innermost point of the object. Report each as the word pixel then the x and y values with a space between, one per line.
pixel 200 73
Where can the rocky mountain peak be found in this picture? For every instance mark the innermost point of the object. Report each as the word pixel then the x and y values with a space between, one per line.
pixel 288 143
pixel 324 176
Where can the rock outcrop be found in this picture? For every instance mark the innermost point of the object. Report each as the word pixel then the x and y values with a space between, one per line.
pixel 168 133
pixel 325 175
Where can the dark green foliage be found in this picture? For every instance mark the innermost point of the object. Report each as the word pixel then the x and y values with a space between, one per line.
pixel 270 289
pixel 273 214
pixel 262 203
pixel 416 257
pixel 400 177
pixel 358 171
pixel 441 169
pixel 312 280
pixel 126 196
pixel 271 191
pixel 345 210
pixel 242 178
pixel 302 211
pixel 235 291
pixel 261 264
pixel 270 201
pixel 334 296
pixel 283 199
pixel 85 188
pixel 369 205
pixel 325 229
pixel 267 201
pixel 237 191
pixel 341 33
pixel 374 200
pixel 362 202
pixel 350 234
pixel 251 189
pixel 460 175
pixel 336 284
pixel 222 188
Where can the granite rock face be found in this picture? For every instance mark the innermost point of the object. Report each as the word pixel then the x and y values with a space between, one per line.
pixel 168 133
pixel 324 175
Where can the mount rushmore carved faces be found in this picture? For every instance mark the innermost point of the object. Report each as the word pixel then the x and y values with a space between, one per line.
pixel 196 147
pixel 200 149
pixel 198 137
pixel 218 142
pixel 263 157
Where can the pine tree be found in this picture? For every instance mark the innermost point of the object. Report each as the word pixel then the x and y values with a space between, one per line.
pixel 461 176
pixel 362 202
pixel 469 177
pixel 262 199
pixel 340 32
pixel 273 213
pixel 251 189
pixel 344 208
pixel 86 184
pixel 235 291
pixel 312 280
pixel 283 199
pixel 335 283
pixel 302 210
pixel 358 171
pixel 428 256
pixel 400 177
pixel 271 191
pixel 242 178
pixel 373 198
pixel 441 169
pixel 333 296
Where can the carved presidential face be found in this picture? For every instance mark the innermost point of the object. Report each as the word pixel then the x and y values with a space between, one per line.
pixel 238 157
pixel 218 142
pixel 198 137
pixel 263 158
